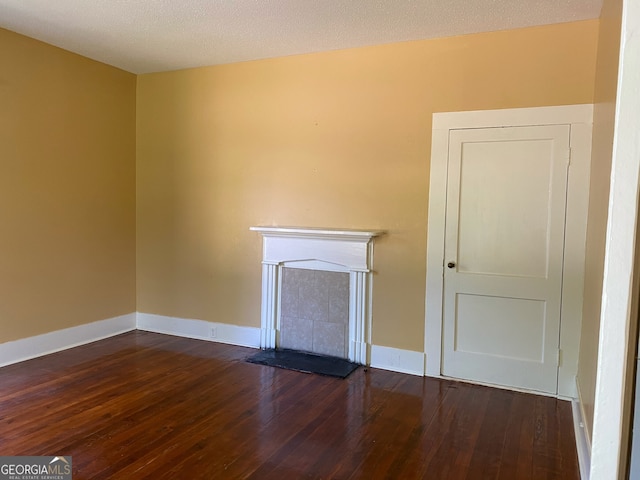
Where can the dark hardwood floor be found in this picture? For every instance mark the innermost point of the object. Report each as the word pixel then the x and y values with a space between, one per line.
pixel 149 406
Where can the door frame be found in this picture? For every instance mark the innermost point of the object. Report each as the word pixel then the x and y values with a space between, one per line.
pixel 580 118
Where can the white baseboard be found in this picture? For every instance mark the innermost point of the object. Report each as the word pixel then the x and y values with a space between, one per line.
pixel 397 360
pixel 32 347
pixel 386 358
pixel 583 443
pixel 200 329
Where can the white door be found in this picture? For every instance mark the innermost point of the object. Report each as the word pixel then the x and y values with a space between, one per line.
pixel 504 240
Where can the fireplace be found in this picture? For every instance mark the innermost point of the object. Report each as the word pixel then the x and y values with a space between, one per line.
pixel 325 250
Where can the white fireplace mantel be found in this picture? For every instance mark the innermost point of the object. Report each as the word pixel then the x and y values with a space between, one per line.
pixel 349 251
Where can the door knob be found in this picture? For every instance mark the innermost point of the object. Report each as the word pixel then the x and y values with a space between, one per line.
pixel 451 264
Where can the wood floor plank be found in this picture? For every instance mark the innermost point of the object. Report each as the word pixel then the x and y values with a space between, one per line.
pixel 148 406
pixel 516 455
pixel 487 455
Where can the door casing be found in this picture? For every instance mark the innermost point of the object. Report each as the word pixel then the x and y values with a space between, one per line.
pixel 580 119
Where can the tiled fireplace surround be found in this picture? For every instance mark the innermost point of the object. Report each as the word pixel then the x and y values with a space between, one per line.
pixel 316 290
pixel 314 311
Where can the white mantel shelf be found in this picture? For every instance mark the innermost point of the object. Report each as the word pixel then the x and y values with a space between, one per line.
pixel 358 235
pixel 349 251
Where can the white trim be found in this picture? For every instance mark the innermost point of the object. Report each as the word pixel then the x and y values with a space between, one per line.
pixel 200 329
pixel 397 360
pixel 576 215
pixel 346 248
pixel 316 265
pixel 435 247
pixel 327 233
pixel 583 444
pixel 47 343
pixel 619 291
pixel 349 251
pixel 580 117
pixel 558 115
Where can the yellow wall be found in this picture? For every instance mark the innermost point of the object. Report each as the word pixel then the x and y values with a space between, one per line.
pixel 67 189
pixel 603 125
pixel 336 139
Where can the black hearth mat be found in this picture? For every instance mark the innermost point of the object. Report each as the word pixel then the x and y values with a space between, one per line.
pixel 304 362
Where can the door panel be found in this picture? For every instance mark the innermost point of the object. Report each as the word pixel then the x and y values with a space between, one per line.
pixel 481 318
pixel 506 196
pixel 513 208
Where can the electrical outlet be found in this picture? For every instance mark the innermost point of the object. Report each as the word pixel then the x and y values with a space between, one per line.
pixel 213 332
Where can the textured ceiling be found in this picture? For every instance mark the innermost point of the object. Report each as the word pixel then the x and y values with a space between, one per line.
pixel 156 35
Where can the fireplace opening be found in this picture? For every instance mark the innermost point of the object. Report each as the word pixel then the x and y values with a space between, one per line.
pixel 314 312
